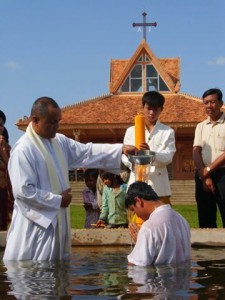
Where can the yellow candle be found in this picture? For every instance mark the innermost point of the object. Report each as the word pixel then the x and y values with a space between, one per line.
pixel 139 122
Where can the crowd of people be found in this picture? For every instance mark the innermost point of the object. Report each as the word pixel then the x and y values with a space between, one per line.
pixel 36 169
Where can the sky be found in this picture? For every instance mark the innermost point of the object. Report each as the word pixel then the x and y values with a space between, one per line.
pixel 62 48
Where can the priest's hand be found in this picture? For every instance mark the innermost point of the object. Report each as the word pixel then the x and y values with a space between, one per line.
pixel 129 150
pixel 66 198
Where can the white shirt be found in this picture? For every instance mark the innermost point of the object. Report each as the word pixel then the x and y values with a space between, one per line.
pixel 211 138
pixel 161 140
pixel 163 239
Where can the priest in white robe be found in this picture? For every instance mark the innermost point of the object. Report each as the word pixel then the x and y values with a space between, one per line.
pixel 38 169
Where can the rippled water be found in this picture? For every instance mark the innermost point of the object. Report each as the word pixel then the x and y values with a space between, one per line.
pixel 103 273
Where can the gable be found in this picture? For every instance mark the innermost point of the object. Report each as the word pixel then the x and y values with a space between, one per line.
pixel 167 72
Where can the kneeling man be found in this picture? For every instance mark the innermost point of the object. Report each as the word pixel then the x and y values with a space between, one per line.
pixel 164 237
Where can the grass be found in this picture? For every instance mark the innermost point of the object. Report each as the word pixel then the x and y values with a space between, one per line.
pixel 77 215
pixel 189 212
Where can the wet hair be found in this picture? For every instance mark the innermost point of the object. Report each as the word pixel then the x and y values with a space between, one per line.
pixel 214 92
pixel 115 179
pixel 153 99
pixel 141 190
pixel 41 105
pixel 2 116
pixel 91 173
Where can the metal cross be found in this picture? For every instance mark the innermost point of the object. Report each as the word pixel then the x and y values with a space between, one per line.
pixel 144 24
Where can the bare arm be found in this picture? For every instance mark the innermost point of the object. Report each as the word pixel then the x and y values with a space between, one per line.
pixel 220 161
pixel 202 170
pixel 197 157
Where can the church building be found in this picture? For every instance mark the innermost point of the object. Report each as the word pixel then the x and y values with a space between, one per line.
pixel 104 119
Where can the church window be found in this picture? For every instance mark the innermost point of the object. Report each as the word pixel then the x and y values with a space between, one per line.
pixel 143 78
pixel 162 85
pixel 133 83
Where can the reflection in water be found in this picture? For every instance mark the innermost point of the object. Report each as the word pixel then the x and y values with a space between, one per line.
pixel 208 275
pixel 162 282
pixel 103 273
pixel 26 278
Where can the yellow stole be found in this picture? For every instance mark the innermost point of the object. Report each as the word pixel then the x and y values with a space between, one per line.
pixel 54 181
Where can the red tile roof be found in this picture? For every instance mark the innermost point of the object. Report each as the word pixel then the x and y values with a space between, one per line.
pixel 121 108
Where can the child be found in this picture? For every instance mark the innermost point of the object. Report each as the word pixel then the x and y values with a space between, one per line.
pixel 100 187
pixel 90 198
pixel 113 210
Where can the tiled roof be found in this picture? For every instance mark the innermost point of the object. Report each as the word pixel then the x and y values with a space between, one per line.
pixel 179 109
pixel 117 66
pixel 172 66
pixel 121 108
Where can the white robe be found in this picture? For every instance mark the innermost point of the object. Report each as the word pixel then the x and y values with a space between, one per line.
pixel 163 239
pixel 33 233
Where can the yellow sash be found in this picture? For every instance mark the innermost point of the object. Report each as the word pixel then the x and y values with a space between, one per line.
pixel 54 181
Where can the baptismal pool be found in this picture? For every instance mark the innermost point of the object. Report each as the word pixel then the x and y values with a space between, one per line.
pixel 103 273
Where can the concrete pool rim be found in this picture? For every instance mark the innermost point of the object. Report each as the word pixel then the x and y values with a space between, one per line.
pixel 213 237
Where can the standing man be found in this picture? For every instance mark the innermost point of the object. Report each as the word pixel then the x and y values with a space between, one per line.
pixel 160 139
pixel 164 237
pixel 209 159
pixel 38 168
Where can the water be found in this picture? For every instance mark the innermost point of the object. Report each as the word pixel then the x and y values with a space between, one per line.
pixel 103 273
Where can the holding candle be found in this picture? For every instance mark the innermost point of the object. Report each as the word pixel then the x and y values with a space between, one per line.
pixel 139 122
pixel 150 134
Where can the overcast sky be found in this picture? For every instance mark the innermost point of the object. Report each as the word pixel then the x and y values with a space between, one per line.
pixel 62 48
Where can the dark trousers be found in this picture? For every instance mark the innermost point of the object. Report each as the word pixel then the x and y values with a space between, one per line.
pixel 207 202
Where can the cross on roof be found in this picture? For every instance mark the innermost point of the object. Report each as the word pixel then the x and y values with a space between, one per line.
pixel 144 24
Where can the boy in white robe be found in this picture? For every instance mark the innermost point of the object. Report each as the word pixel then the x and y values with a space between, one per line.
pixel 160 139
pixel 164 237
pixel 38 169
